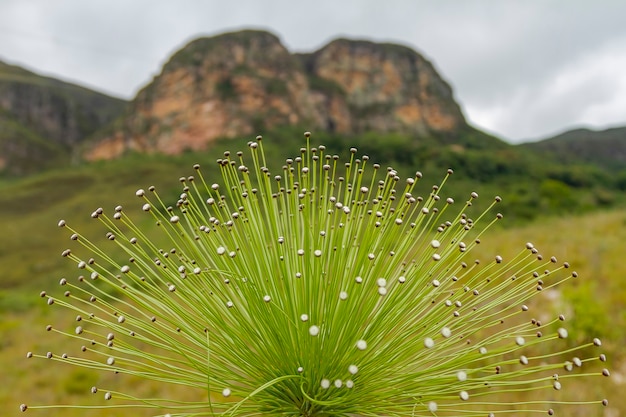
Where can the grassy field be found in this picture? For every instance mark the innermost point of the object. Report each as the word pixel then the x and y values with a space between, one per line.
pixel 30 261
pixel 592 243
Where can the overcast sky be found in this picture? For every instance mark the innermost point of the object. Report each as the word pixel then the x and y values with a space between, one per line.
pixel 521 69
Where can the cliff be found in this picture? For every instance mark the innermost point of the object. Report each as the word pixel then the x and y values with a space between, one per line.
pixel 244 83
pixel 381 88
pixel 42 119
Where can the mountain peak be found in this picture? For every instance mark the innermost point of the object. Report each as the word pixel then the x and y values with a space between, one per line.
pixel 195 52
pixel 243 83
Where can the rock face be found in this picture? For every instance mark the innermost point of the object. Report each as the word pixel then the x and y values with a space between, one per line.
pixel 241 84
pixel 385 88
pixel 42 118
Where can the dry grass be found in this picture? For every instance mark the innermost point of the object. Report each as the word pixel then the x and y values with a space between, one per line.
pixel 593 244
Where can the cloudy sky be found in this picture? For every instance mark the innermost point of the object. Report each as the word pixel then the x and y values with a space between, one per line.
pixel 521 69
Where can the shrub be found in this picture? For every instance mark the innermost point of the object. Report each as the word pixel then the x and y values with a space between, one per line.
pixel 315 292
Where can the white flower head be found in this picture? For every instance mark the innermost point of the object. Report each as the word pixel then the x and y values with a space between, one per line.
pixel 325 287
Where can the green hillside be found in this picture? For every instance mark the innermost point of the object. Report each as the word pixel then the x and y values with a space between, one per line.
pixel 605 148
pixel 531 188
pixel 42 119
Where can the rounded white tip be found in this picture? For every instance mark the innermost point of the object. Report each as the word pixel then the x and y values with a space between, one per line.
pixel 429 343
pixel 432 406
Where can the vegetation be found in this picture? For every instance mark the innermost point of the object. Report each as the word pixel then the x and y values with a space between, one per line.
pixel 226 89
pixel 566 195
pixel 601 148
pixel 25 151
pixel 93 109
pixel 111 181
pixel 325 85
pixel 194 53
pixel 530 188
pixel 592 243
pixel 275 86
pixel 42 120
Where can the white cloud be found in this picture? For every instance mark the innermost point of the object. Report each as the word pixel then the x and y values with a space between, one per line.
pixel 519 68
pixel 591 91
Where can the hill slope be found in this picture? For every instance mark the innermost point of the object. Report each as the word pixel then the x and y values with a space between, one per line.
pixel 606 148
pixel 42 119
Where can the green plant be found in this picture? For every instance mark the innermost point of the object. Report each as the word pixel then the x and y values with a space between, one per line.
pixel 316 292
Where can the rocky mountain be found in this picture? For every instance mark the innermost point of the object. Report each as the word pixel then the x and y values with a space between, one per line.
pixel 244 83
pixel 42 119
pixel 606 148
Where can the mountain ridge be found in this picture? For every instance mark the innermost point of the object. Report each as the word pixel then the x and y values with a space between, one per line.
pixel 243 83
pixel 43 119
pixel 603 147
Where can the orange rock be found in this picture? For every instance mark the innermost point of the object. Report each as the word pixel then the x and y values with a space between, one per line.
pixel 234 84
